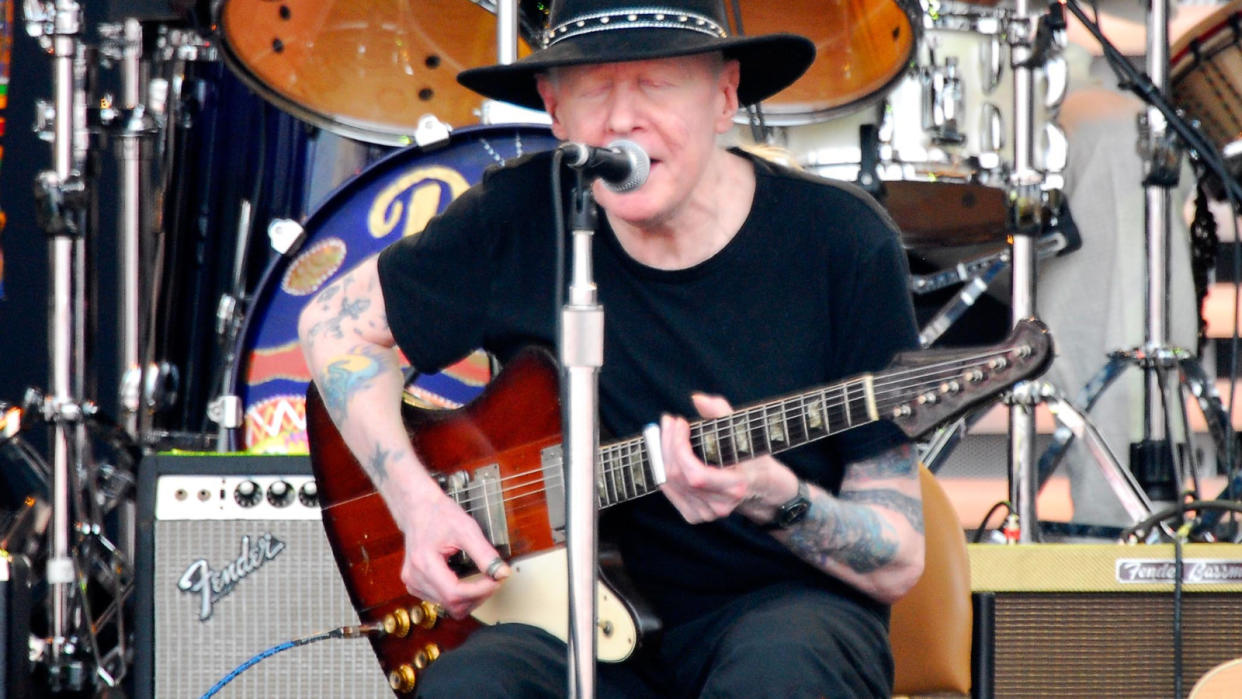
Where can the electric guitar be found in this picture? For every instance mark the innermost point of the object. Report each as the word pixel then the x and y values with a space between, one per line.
pixel 500 458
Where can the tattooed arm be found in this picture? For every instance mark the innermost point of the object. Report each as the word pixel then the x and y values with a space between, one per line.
pixel 870 536
pixel 352 357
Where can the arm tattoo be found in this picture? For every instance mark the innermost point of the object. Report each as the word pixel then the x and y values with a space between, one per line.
pixel 906 506
pixel 894 463
pixel 378 465
pixel 848 534
pixel 347 375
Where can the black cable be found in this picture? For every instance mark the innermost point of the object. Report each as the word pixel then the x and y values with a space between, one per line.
pixel 1178 564
pixel 1197 505
pixel 983 526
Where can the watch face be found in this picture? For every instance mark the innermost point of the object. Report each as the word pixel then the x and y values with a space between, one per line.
pixel 793 513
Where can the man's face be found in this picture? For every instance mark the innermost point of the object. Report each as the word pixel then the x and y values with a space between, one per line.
pixel 672 107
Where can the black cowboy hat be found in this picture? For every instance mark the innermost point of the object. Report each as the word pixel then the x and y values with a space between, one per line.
pixel 608 31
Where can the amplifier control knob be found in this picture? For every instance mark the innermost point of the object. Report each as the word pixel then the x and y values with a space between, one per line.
pixel 280 494
pixel 308 494
pixel 248 494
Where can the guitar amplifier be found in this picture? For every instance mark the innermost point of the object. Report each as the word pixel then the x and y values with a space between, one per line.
pixel 15 606
pixel 233 561
pixel 1071 620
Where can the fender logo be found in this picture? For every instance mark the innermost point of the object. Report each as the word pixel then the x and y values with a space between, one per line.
pixel 211 585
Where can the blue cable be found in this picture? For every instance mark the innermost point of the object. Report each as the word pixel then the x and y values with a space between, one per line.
pixel 343 632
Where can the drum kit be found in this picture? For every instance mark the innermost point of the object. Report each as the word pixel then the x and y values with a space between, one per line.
pixel 235 119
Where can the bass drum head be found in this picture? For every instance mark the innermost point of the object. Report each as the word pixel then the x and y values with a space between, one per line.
pixel 391 199
pixel 366 69
pixel 863 47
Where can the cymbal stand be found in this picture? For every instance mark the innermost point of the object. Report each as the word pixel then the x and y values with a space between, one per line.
pixel 1170 373
pixel 134 128
pixel 61 192
pixel 1026 202
pixel 80 490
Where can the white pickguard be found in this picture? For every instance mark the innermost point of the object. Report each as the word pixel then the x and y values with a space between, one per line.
pixel 537 593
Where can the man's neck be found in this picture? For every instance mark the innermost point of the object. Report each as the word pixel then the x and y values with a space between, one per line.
pixel 703 225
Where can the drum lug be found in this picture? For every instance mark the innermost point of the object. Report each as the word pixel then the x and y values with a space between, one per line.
pixel 943 103
pixel 1056 148
pixel 1056 77
pixel 992 127
pixel 226 411
pixel 991 64
pixel 431 131
pixel 285 236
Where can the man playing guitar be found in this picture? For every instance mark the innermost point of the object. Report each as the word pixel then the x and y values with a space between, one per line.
pixel 726 279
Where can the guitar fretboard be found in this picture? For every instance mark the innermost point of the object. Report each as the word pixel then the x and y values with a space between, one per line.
pixel 766 428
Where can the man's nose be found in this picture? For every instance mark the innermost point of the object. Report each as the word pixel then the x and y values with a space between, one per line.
pixel 623 110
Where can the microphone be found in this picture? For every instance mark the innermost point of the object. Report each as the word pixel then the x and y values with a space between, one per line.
pixel 623 165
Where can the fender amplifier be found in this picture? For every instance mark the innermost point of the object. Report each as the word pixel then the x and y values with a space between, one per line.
pixel 1096 620
pixel 232 561
pixel 15 600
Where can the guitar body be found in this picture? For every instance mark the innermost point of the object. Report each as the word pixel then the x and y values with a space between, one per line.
pixel 500 459
pixel 507 426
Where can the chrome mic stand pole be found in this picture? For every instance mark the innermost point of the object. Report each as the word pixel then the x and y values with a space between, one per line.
pixel 1025 205
pixel 582 355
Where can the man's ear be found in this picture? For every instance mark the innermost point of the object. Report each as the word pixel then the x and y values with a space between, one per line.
pixel 547 91
pixel 730 77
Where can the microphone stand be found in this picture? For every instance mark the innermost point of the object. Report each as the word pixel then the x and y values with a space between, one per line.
pixel 582 355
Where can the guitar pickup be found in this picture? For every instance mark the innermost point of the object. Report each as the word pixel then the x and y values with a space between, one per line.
pixel 482 498
pixel 552 460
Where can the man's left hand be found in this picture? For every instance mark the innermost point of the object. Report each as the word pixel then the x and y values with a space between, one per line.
pixel 703 493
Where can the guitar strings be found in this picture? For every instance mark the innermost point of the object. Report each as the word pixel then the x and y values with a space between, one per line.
pixel 930 376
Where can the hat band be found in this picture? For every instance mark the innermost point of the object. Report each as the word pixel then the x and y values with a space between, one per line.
pixel 645 18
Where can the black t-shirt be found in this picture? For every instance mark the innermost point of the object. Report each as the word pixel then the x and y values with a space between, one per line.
pixel 812 289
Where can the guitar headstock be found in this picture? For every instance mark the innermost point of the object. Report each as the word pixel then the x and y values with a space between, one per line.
pixel 923 389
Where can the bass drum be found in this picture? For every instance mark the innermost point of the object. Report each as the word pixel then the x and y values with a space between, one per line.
pixel 391 199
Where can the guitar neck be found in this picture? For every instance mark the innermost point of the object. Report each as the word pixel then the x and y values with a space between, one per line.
pixel 766 428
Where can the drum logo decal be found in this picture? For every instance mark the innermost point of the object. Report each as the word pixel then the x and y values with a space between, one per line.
pixel 277 425
pixel 423 188
pixel 212 585
pixel 314 267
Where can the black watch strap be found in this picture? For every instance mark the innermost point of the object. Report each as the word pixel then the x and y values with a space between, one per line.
pixel 793 511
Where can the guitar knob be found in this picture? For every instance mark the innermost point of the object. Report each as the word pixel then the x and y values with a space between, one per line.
pixel 402 679
pixel 280 494
pixel 398 623
pixel 426 614
pixel 247 494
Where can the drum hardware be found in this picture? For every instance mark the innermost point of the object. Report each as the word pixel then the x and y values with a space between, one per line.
pixel 1030 39
pixel 1172 374
pixel 285 237
pixel 976 275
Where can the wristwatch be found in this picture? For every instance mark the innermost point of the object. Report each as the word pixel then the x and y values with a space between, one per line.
pixel 793 511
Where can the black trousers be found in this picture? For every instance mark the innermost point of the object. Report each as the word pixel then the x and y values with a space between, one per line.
pixel 782 642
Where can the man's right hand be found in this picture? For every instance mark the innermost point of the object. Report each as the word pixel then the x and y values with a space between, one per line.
pixel 436 528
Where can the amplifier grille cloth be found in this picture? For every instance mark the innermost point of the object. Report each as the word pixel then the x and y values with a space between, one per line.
pixel 1109 644
pixel 295 594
